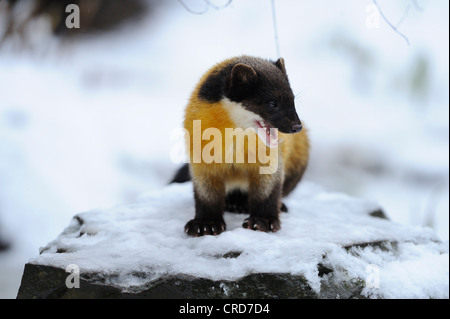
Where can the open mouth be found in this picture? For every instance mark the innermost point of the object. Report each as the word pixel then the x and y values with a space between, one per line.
pixel 267 133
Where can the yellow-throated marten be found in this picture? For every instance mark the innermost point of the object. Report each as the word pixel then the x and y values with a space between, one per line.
pixel 251 94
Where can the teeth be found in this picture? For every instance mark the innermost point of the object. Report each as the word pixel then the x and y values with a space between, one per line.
pixel 263 125
pixel 265 133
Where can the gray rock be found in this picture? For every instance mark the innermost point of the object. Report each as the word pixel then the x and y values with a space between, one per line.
pixel 46 282
pixel 330 246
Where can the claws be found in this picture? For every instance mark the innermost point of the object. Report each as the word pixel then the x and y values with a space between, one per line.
pixel 199 228
pixel 262 224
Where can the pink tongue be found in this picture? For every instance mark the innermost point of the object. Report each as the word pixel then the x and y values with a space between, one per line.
pixel 270 140
pixel 274 134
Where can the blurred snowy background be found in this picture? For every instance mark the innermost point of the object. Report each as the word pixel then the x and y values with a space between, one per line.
pixel 86 116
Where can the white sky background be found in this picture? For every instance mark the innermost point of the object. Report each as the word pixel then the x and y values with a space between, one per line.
pixel 88 124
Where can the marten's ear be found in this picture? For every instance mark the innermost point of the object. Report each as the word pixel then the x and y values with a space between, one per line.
pixel 243 80
pixel 280 64
pixel 242 74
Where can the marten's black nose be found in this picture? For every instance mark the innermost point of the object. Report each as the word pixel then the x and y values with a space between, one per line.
pixel 296 128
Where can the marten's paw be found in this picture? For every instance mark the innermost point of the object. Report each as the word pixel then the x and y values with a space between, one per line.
pixel 262 224
pixel 198 228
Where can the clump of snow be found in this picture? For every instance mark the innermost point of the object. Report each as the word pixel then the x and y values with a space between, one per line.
pixel 134 244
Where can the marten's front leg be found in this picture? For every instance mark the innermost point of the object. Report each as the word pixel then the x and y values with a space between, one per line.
pixel 209 195
pixel 264 204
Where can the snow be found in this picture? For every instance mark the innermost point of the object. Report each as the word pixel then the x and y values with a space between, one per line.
pixel 148 237
pixel 82 124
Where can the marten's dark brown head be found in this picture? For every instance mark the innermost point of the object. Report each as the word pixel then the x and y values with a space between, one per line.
pixel 257 92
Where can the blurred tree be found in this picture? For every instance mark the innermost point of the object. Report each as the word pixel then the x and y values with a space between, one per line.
pixel 3 245
pixel 420 78
pixel 96 16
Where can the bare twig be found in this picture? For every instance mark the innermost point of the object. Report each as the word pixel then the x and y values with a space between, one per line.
pixel 405 14
pixel 390 24
pixel 208 4
pixel 218 7
pixel 275 29
pixel 192 11
pixel 416 5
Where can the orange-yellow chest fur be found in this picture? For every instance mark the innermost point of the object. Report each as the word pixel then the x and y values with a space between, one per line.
pixel 215 136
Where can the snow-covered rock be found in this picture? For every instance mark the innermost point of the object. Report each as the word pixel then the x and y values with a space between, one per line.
pixel 330 246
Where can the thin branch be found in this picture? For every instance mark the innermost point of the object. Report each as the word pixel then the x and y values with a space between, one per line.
pixel 417 6
pixel 275 29
pixel 207 5
pixel 408 8
pixel 389 23
pixel 405 14
pixel 192 11
pixel 218 7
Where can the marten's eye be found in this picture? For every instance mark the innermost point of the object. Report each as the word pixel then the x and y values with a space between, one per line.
pixel 273 104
